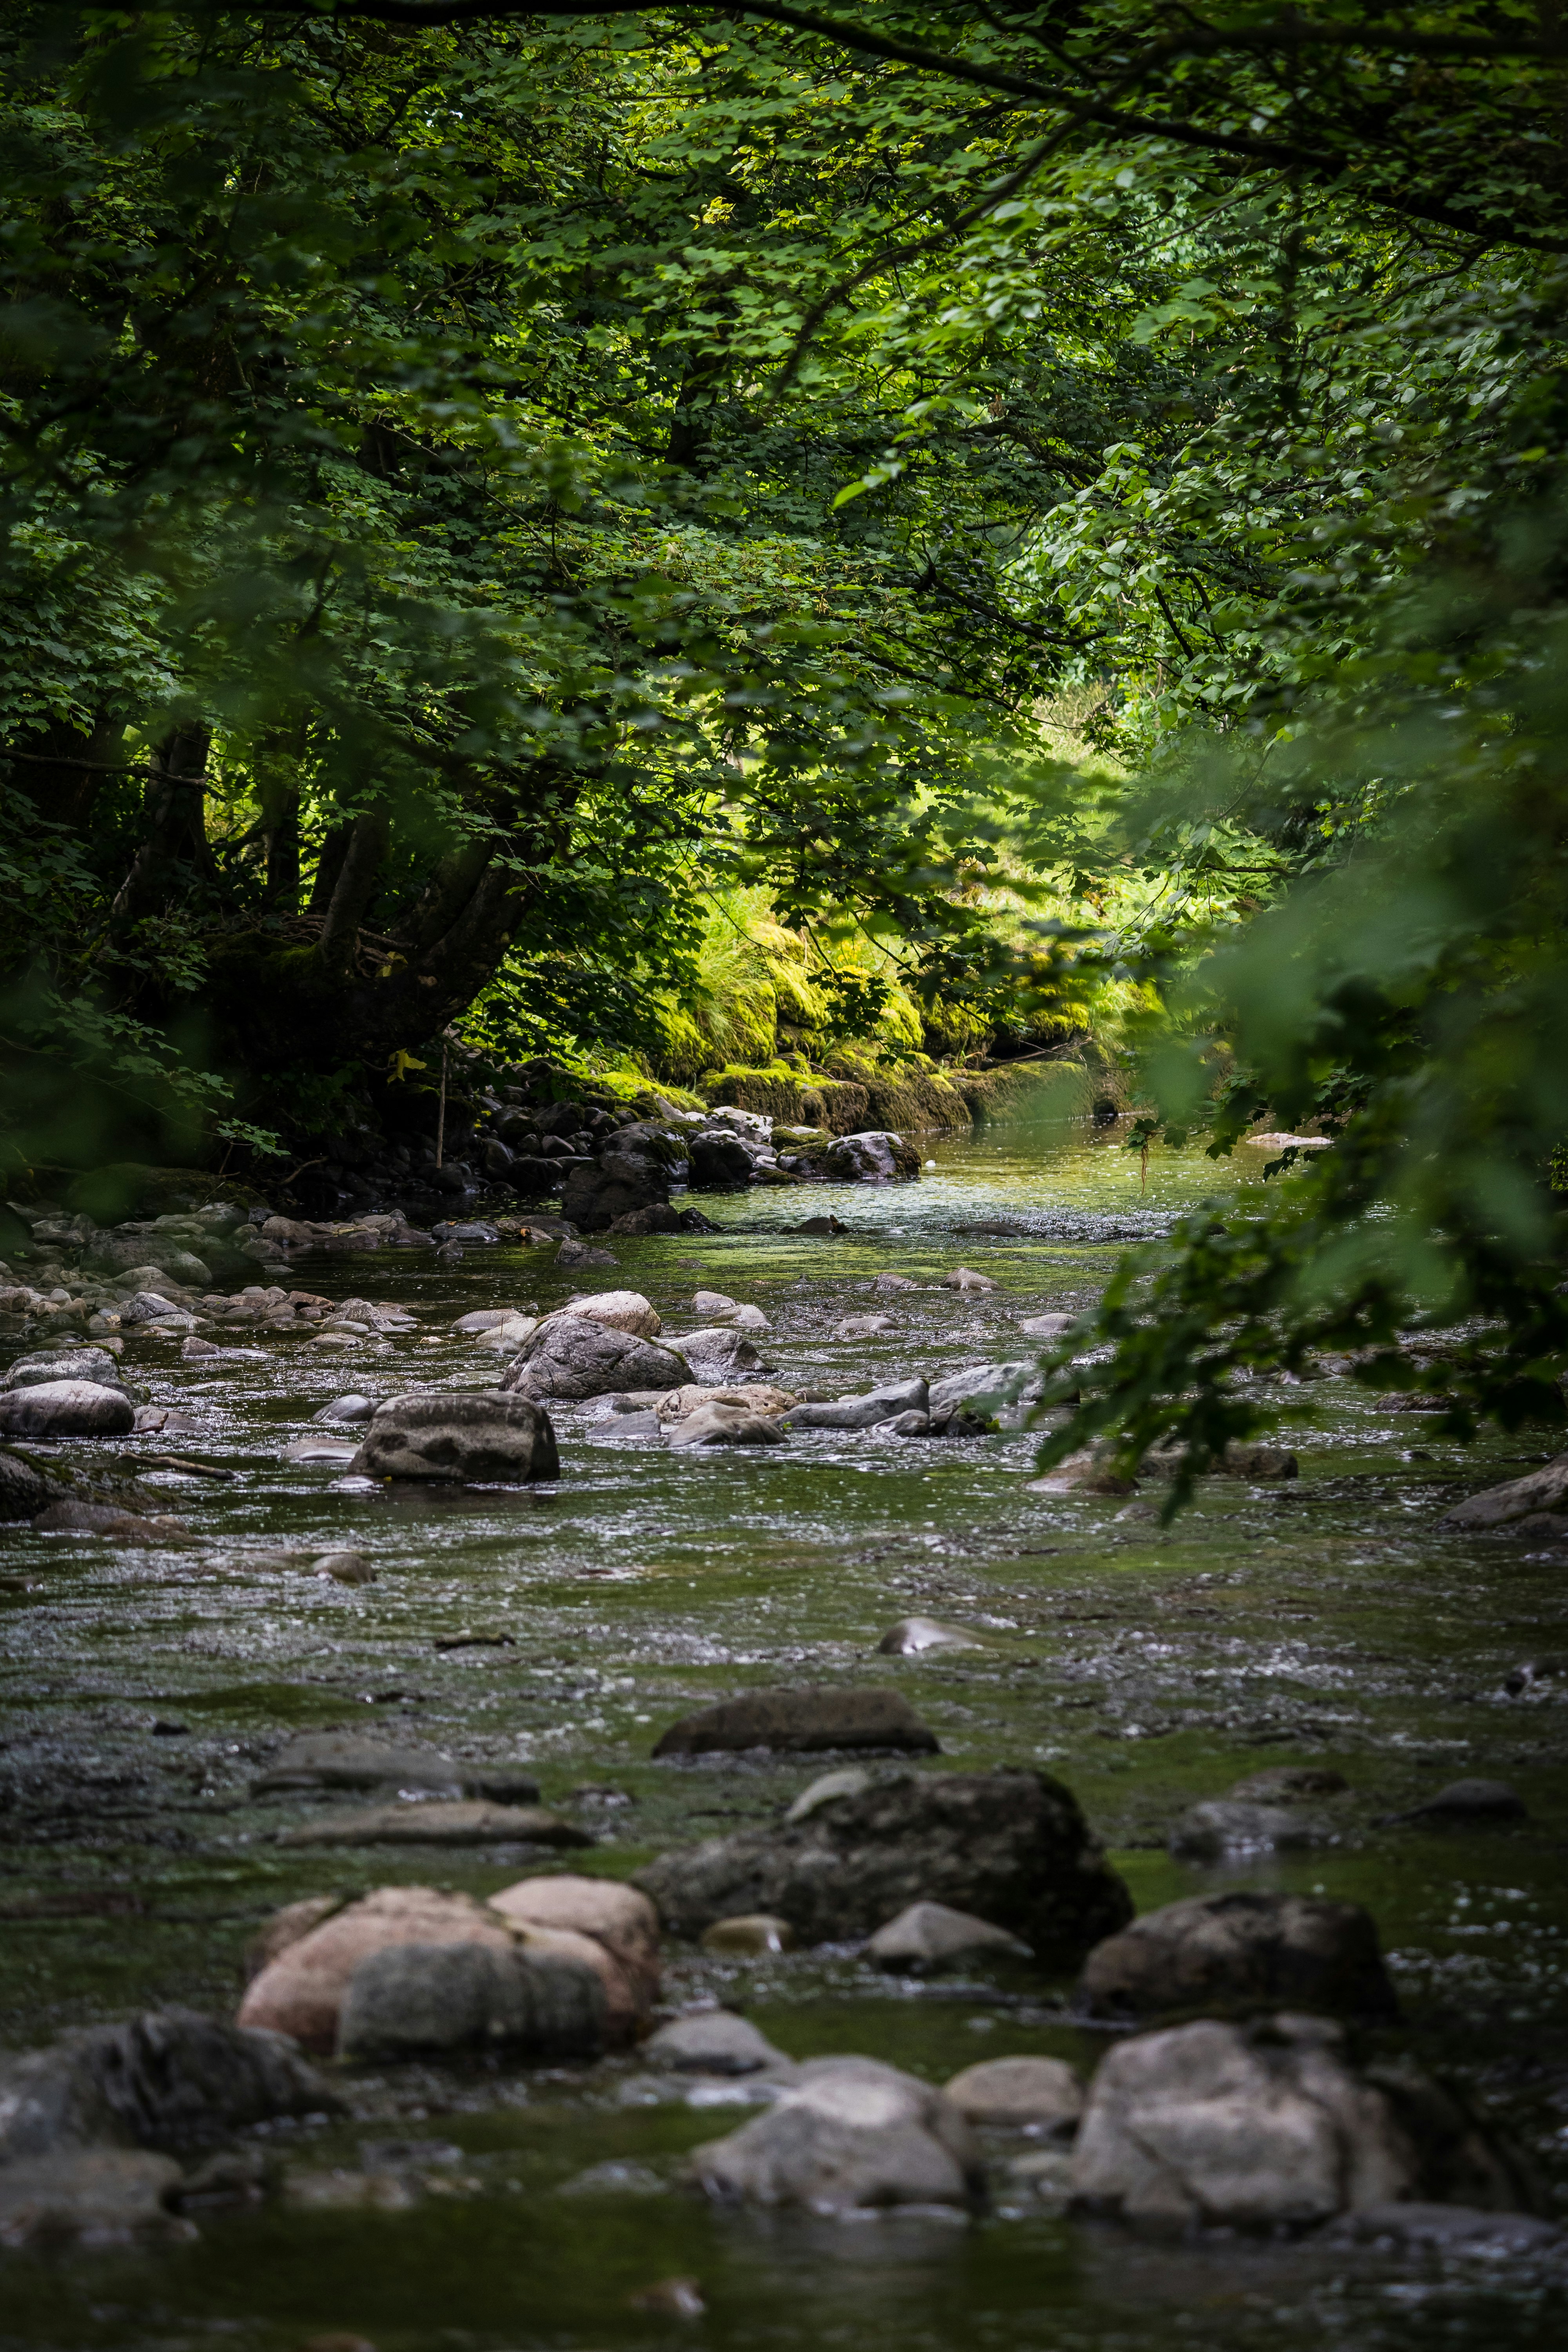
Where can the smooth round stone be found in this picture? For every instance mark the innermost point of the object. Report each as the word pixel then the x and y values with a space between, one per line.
pixel 344 1567
pixel 1472 1801
pixel 712 2042
pixel 748 1935
pixel 1028 2093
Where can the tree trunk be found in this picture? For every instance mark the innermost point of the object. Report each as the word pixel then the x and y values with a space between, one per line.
pixel 174 851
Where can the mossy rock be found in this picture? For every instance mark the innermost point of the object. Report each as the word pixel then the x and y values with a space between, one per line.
pixel 774 1092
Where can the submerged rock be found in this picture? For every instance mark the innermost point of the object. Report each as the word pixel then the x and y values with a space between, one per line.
pixel 350 1408
pixel 1299 1949
pixel 862 1412
pixel 493 1438
pixel 1038 2094
pixel 926 1938
pixel 24 1491
pixel 438 1824
pixel 1266 2126
pixel 801 1719
pixel 845 2135
pixel 66 1409
pixel 1009 1846
pixel 106 1519
pixel 849 1782
pixel 343 1759
pixel 726 1425
pixel 1227 1825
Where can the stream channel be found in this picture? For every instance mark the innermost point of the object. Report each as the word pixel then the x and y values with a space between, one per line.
pixel 1321 1620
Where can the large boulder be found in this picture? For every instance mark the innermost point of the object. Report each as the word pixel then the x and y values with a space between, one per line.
pixel 1517 1498
pixel 1243 1949
pixel 845 2135
pixel 84 1363
pixel 1009 1846
pixel 572 1358
pixel 1266 2126
pixel 126 1252
pixel 169 2079
pixel 1035 2095
pixel 410 2000
pixel 616 1916
pixel 875 1157
pixel 66 1409
pixel 801 1720
pixel 493 1438
pixel 631 1172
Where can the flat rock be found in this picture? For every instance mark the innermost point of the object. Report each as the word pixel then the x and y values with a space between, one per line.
pixel 712 2042
pixel 914 1635
pixel 343 1759
pixel 751 1934
pixel 1230 1826
pixel 862 1327
pixel 495 1438
pixel 460 1822
pixel 408 2001
pixel 725 1424
pixel 801 1719
pixel 572 1357
pixel 963 1277
pixel 108 1520
pixel 863 1411
pixel 1299 1949
pixel 1012 1847
pixel 845 2135
pixel 94 1364
pixel 1040 2094
pixel 928 1938
pixel 1047 1327
pixel 66 1409
pixel 1543 1490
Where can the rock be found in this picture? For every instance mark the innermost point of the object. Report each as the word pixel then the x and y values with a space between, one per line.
pixel 66 1409
pixel 341 1452
pixel 1266 2126
pixel 575 1254
pixel 844 2135
pixel 1241 1947
pixel 171 2078
pixel 1463 1802
pixel 344 1568
pixel 751 1396
pixel 619 1310
pixel 126 1252
pixel 487 1318
pixel 726 1425
pixel 193 1349
pixel 631 1173
pixel 343 1759
pixel 494 1438
pixel 862 1412
pixel 94 1364
pixel 572 1357
pixel 822 1225
pixel 927 1937
pixel 623 1923
pixel 1240 1459
pixel 302 1990
pixel 1284 1784
pixel 151 1307
pixel 877 1157
pixel 851 1781
pixel 1517 1498
pixel 1009 1846
pixel 670 2298
pixel 801 1719
pixel 709 1303
pixel 350 1408
pixel 97 2197
pixel 466 1822
pixel 713 2041
pixel 862 1327
pixel 991 1394
pixel 751 1935
pixel 886 1282
pixel 412 2000
pixel 1084 1473
pixel 721 1161
pixel 24 1491
pixel 1447 2228
pixel 106 1519
pixel 1226 1825
pixel 903 1425
pixel 1047 1327
pixel 963 1277
pixel 1040 2094
pixel 914 1635
pixel 721 1357
pixel 167 1418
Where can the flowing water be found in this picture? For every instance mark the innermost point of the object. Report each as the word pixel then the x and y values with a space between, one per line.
pixel 1322 1620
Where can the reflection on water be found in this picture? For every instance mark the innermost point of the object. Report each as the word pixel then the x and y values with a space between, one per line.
pixel 1322 1621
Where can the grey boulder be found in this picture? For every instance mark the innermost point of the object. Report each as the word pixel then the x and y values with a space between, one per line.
pixel 713 2041
pixel 350 1408
pixel 1517 1498
pixel 1035 2095
pixel 121 1253
pixel 845 2135
pixel 862 1412
pixel 1302 1951
pixel 341 1760
pixel 632 1173
pixel 571 1358
pixel 875 1157
pixel 725 1424
pixel 412 2000
pixel 721 1357
pixel 801 1720
pixel 928 1938
pixel 94 1364
pixel 1009 1846
pixel 1266 2126
pixel 66 1409
pixel 494 1438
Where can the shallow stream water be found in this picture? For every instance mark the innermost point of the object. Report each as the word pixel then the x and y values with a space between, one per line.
pixel 1322 1620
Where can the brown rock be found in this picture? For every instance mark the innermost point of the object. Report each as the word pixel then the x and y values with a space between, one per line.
pixel 302 1991
pixel 801 1721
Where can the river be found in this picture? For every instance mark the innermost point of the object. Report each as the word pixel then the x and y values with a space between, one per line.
pixel 1321 1621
